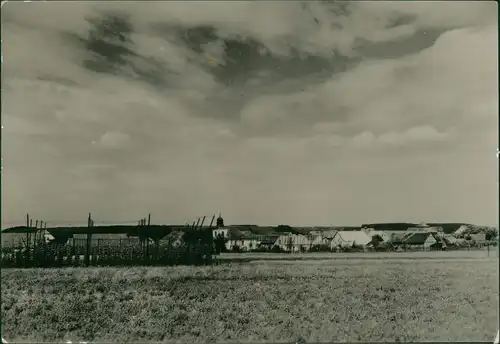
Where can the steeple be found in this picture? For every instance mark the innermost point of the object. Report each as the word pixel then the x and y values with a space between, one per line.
pixel 220 221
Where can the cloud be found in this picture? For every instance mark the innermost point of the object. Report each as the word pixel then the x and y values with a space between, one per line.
pixel 301 120
pixel 113 139
pixel 416 134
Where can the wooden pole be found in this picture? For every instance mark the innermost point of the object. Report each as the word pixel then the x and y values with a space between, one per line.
pixel 41 230
pixel 27 238
pixel 147 235
pixel 89 238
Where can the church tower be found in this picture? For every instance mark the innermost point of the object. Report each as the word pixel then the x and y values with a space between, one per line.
pixel 220 221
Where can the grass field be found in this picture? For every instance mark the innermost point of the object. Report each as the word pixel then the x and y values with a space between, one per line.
pixel 448 299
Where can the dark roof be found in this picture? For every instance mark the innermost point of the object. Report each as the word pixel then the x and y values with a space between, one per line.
pixel 417 238
pixel 269 239
pixel 235 234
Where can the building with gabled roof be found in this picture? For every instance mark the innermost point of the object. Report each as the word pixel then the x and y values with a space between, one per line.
pixel 350 238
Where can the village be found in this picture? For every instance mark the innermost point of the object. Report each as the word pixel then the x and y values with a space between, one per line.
pixel 421 237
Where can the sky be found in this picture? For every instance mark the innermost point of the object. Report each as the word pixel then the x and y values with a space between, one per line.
pixel 299 113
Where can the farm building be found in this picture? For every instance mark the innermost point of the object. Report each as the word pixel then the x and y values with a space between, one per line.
pixel 350 238
pixel 329 234
pixel 381 234
pixel 300 243
pixel 478 240
pixel 243 240
pixel 420 239
pixel 268 241
pixel 318 240
pixel 293 242
pixel 395 237
pixel 224 232
pixel 449 240
pixel 284 241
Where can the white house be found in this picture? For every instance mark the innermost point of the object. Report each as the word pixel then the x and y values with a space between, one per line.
pixel 350 238
pixel 293 242
pixel 318 240
pixel 244 240
pixel 224 232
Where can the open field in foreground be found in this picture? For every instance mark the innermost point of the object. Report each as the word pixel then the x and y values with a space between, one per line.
pixel 320 300
pixel 464 253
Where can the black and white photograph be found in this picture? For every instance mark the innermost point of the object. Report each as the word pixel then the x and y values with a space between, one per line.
pixel 249 171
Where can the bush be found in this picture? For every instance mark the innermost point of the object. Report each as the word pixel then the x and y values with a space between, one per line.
pixel 320 248
pixel 277 249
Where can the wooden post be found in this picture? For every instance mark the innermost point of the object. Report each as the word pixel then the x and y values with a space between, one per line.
pixel 41 231
pixel 89 238
pixel 147 235
pixel 27 239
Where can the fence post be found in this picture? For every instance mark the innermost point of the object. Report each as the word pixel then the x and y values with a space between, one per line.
pixel 89 238
pixel 147 237
pixel 27 253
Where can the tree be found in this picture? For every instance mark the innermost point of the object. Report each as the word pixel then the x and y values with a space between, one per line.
pixel 289 243
pixel 220 243
pixel 285 229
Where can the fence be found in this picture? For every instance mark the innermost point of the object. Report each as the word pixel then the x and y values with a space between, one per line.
pixel 113 252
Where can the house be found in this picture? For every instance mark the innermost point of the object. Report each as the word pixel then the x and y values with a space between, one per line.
pixel 462 230
pixel 267 241
pixel 383 236
pixel 318 240
pixel 241 240
pixel 479 240
pixel 422 239
pixel 284 242
pixel 396 237
pixel 329 234
pixel 224 232
pixel 293 242
pixel 349 239
pixel 449 240
pixel 300 243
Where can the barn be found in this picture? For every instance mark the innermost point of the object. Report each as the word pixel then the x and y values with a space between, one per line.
pixel 350 238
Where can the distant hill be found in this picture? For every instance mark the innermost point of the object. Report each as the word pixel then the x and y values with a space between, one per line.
pixel 448 227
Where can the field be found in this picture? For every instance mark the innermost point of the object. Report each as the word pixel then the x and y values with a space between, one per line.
pixel 448 298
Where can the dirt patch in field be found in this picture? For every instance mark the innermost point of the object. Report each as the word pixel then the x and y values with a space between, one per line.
pixel 320 300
